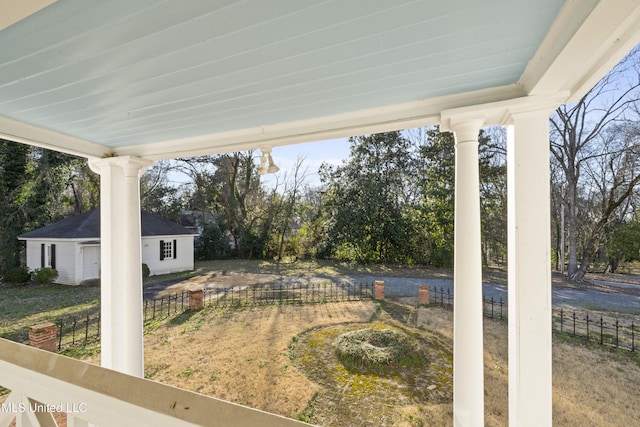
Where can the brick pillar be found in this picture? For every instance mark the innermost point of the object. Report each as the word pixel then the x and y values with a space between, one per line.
pixel 196 299
pixel 423 294
pixel 378 289
pixel 44 336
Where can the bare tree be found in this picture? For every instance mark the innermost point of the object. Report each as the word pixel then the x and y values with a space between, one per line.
pixel 290 202
pixel 594 149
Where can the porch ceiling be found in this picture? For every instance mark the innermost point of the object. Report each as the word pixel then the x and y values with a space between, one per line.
pixel 161 79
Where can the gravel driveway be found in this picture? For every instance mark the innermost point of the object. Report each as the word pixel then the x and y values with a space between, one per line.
pixel 589 299
pixel 618 297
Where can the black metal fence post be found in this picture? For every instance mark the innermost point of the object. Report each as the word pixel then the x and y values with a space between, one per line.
pixel 60 325
pixel 73 331
pixel 601 331
pixel 86 329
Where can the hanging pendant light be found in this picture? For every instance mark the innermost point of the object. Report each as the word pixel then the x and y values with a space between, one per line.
pixel 266 162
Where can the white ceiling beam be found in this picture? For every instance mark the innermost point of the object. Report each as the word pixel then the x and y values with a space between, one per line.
pixel 383 119
pixel 13 11
pixel 585 42
pixel 27 134
pixel 499 113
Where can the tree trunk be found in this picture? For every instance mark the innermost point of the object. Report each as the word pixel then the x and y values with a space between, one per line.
pixel 572 231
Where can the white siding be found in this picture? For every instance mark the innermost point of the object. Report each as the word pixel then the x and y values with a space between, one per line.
pixel 33 254
pixel 182 262
pixel 69 257
pixel 65 259
pixel 88 265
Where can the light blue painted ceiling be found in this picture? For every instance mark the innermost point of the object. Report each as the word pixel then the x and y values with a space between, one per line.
pixel 125 72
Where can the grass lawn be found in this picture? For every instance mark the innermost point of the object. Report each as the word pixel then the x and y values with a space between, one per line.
pixel 281 358
pixel 27 305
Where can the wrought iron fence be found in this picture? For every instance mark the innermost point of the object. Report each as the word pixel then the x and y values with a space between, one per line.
pixel 607 331
pixel 298 293
pixel 604 330
pixel 79 329
pixel 165 306
pixel 84 328
pixel 493 308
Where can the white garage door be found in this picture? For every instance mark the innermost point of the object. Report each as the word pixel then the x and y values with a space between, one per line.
pixel 90 262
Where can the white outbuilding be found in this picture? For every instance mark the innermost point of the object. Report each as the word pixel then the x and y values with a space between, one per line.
pixel 72 247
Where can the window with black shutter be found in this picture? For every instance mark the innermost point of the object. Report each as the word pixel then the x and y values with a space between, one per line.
pixel 43 254
pixel 167 250
pixel 53 256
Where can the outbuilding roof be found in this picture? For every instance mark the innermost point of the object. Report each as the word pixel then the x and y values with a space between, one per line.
pixel 87 226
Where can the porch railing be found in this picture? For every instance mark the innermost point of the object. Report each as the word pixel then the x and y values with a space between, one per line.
pixel 41 382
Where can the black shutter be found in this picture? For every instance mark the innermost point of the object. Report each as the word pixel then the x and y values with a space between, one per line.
pixel 161 250
pixel 53 256
pixel 175 249
pixel 43 250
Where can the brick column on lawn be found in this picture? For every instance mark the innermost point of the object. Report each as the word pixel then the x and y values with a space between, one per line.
pixel 423 294
pixel 196 299
pixel 378 286
pixel 44 336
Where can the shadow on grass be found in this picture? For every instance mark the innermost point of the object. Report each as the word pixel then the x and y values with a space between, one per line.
pixel 182 318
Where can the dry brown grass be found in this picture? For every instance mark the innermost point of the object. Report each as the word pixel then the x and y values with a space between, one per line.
pixel 591 386
pixel 243 356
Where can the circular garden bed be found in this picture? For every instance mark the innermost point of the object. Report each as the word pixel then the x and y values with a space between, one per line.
pixel 377 349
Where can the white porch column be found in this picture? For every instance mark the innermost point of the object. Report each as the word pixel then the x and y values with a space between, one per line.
pixel 530 389
pixel 121 260
pixel 468 366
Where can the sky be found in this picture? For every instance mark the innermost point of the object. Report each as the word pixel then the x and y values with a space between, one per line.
pixel 332 151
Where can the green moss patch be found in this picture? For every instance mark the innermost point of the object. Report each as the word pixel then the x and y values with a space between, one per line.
pixel 403 367
pixel 377 349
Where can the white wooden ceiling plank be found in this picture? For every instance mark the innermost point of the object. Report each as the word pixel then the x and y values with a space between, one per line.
pixel 201 68
pixel 128 93
pixel 113 45
pixel 156 93
pixel 299 84
pixel 118 59
pixel 31 52
pixel 297 104
pixel 177 131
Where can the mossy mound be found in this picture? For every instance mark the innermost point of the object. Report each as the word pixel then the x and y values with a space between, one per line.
pixel 353 394
pixel 376 349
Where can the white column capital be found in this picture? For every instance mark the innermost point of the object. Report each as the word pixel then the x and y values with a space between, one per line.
pixel 465 128
pixel 132 166
pixel 517 112
pixel 501 112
